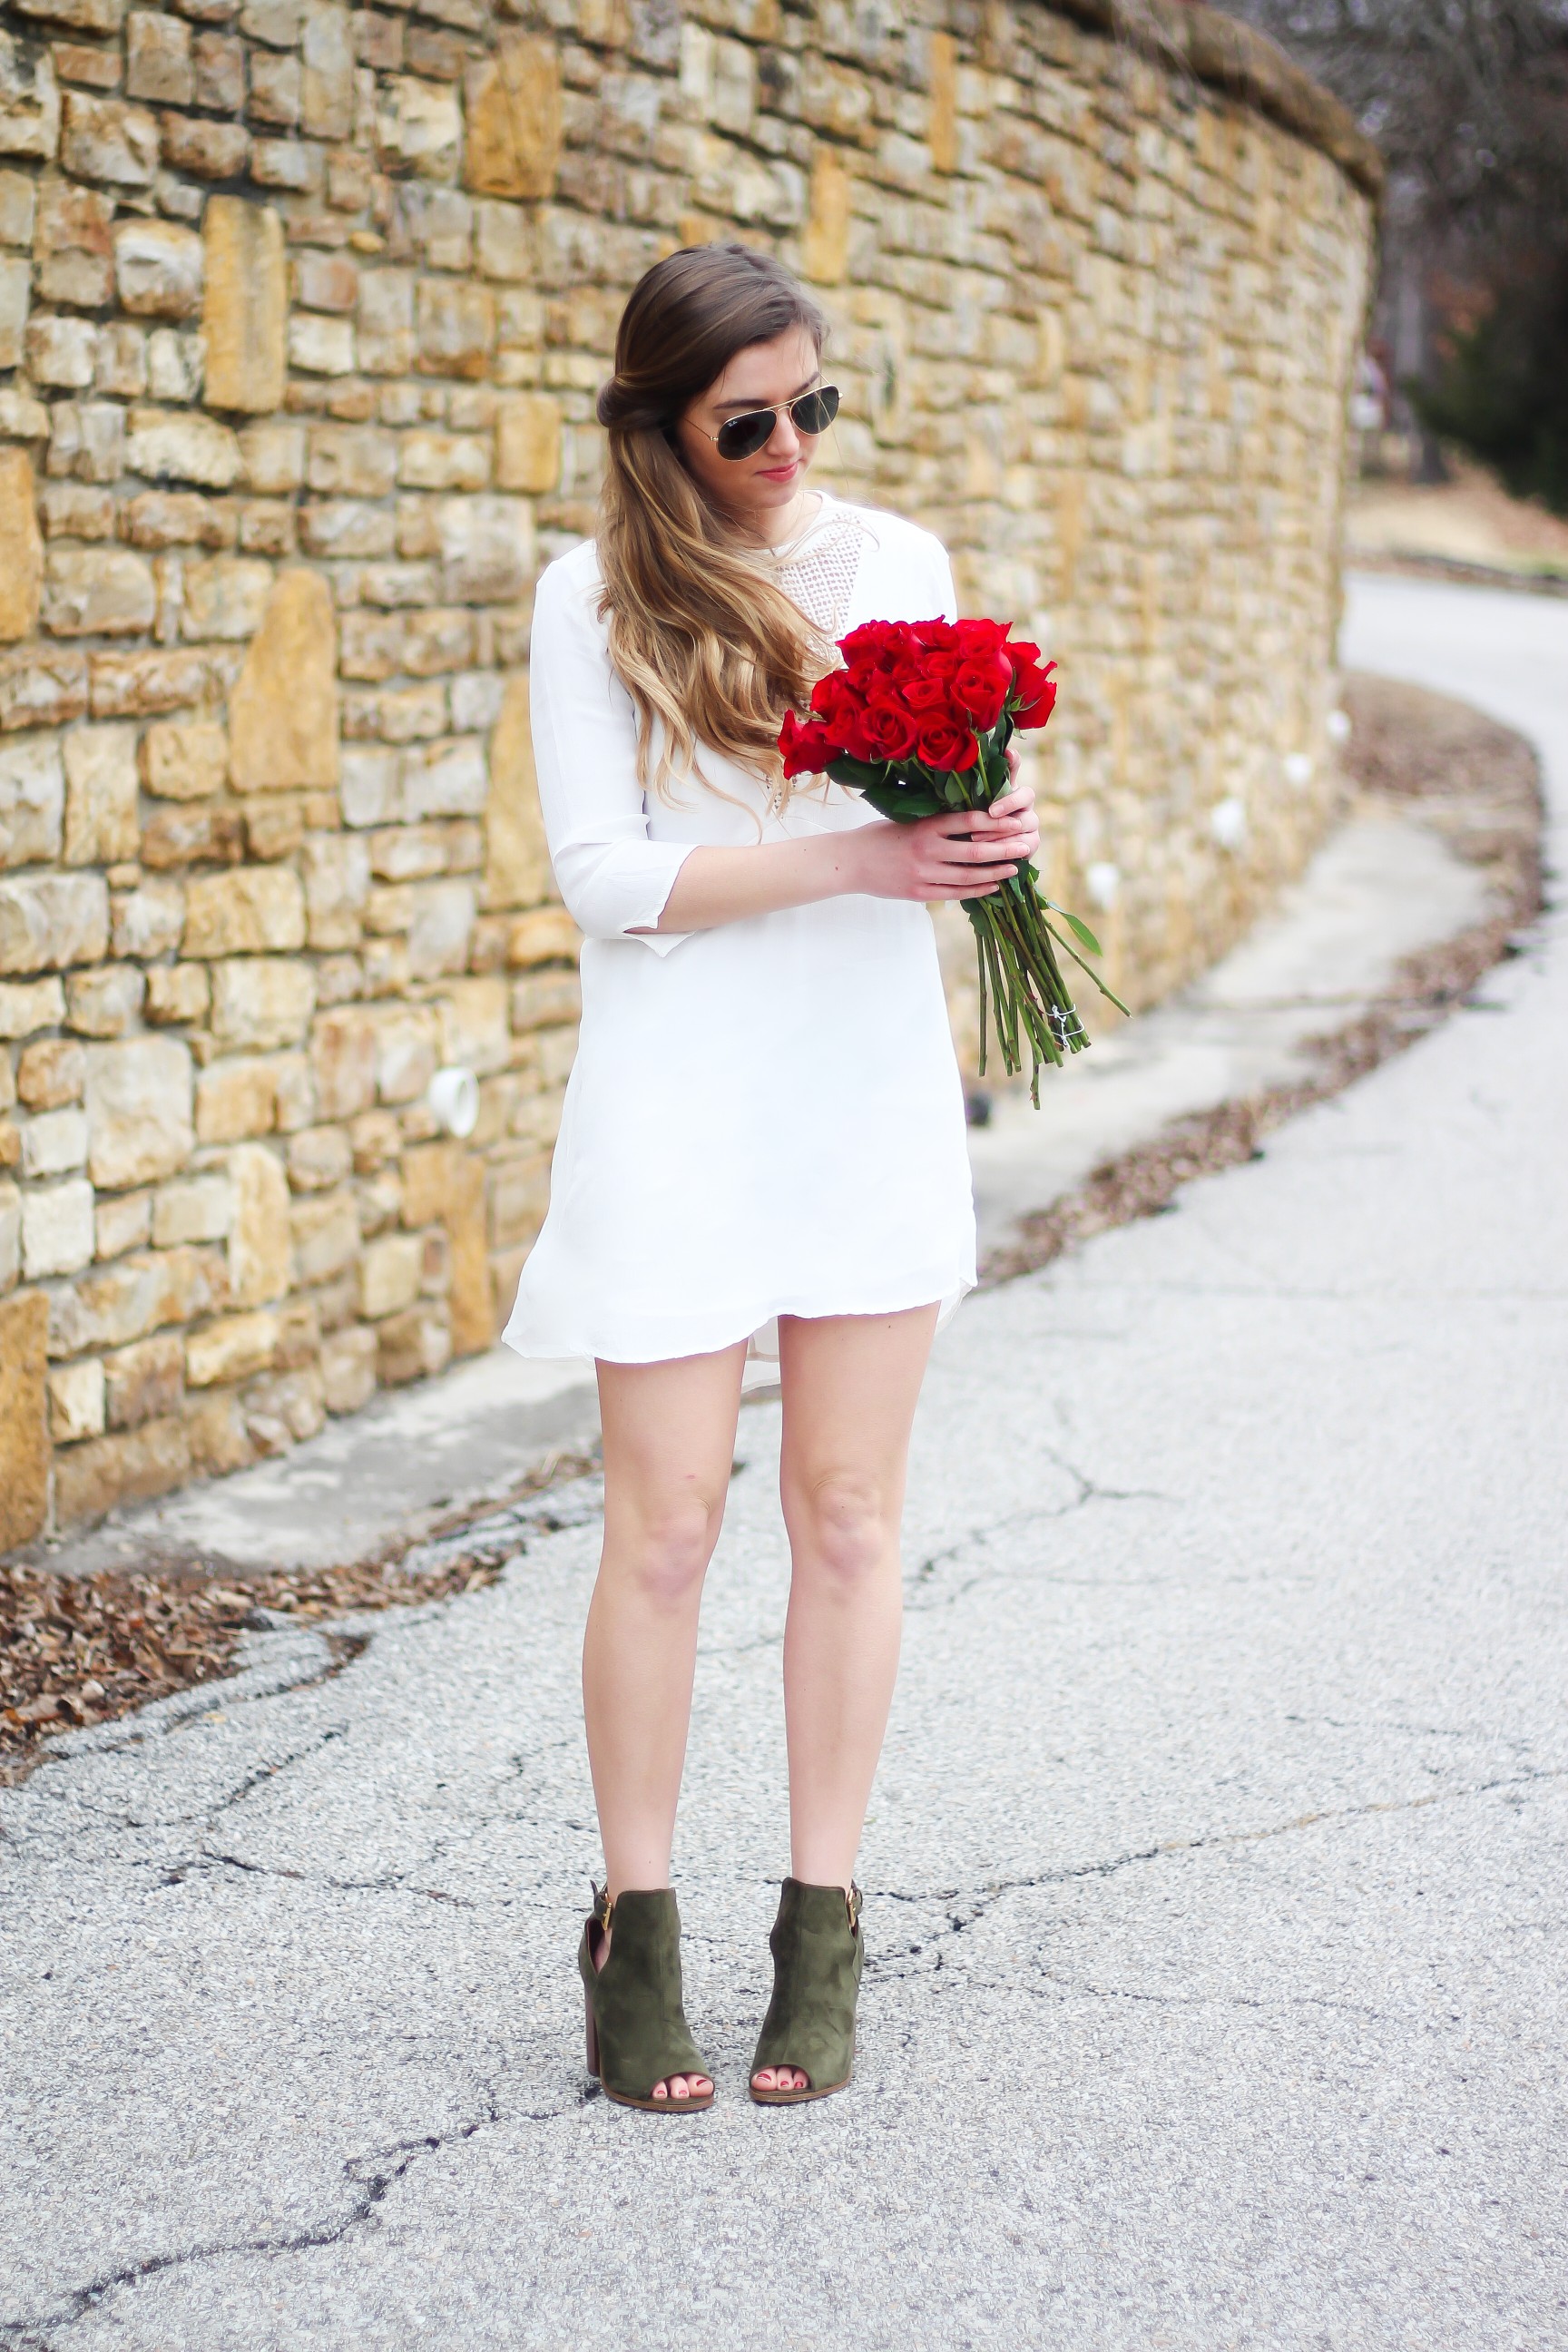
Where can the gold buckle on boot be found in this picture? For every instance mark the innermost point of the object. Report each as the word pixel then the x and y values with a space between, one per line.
pixel 853 1903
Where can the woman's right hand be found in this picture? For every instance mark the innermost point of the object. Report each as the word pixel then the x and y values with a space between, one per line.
pixel 962 853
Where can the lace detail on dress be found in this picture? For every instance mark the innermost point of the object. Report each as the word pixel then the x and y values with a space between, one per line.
pixel 818 570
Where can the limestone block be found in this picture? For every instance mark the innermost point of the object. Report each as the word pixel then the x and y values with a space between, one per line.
pixel 193 1209
pixel 337 884
pixel 103 139
pixel 55 1143
pixel 57 1229
pixel 219 1441
pixel 470 1300
pixel 282 1411
pixel 517 860
pixel 455 326
pixel 235 1348
pixel 32 800
pixel 385 321
pixel 326 1235
pixel 43 686
pixel 235 1099
pixel 15 301
pixel 326 83
pixel 158 58
pixel 167 445
pixel 320 346
pixel 352 461
pixel 105 1002
pixel 138 1110
pixel 245 913
pixel 520 1194
pixel 528 443
pixel 78 1401
pixel 50 921
pixel 226 596
pixel 474 1027
pixel 371 789
pixel 188 836
pixel 440 929
pixel 512 101
pixel 135 1294
pixel 97 592
pixel 418 126
pixel 343 1057
pixel 429 460
pixel 101 794
pixel 548 935
pixel 442 778
pixel 29 103
pixel 131 685
pixel 145 1380
pixel 21 545
pixel 29 1005
pixel 177 992
pixel 217 61
pixel 389 1274
pixel 283 713
pixel 244 314
pixel 10 1236
pixel 209 151
pixel 17 208
pixel 159 267
pixel 274 89
pixel 122 1221
pixel 941 130
pixel 185 759
pixel 23 1396
pixel 415 1344
pixel 406 1038
pixel 825 246
pixel 348 1367
pixel 52 1072
pixel 487 550
pixel 274 458
pixel 259 1242
pixel 319 1159
pixel 504 246
pixel 90 1479
pixel 262 1003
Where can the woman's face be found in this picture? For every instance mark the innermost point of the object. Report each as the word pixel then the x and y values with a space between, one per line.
pixel 763 375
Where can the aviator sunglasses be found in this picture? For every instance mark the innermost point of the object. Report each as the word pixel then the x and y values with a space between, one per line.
pixel 742 436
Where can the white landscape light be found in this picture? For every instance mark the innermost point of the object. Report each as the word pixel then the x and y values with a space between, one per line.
pixel 453 1096
pixel 1227 822
pixel 1104 882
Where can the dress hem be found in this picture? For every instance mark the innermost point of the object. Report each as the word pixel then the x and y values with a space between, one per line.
pixel 706 1340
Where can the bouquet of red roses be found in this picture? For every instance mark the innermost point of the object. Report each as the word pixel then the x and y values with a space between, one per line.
pixel 918 720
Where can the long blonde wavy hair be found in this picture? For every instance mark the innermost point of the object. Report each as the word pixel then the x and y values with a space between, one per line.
pixel 710 650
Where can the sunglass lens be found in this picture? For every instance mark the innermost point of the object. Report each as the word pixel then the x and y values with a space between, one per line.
pixel 742 436
pixel 815 411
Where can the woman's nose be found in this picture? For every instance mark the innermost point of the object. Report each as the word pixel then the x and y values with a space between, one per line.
pixel 782 445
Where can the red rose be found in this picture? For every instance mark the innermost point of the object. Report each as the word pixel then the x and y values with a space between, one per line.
pixel 834 698
pixel 945 744
pixel 935 635
pixel 975 640
pixel 981 685
pixel 922 694
pixel 1021 654
pixel 1037 696
pixel 806 751
pixel 886 729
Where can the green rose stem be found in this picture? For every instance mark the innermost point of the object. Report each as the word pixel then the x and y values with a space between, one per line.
pixel 1023 993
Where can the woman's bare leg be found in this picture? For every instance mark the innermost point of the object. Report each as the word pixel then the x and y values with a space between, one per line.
pixel 850 1386
pixel 669 1441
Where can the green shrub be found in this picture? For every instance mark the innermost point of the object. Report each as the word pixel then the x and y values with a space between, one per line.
pixel 1503 390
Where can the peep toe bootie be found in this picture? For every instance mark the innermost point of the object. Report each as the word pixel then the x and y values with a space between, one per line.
pixel 637 2033
pixel 810 2024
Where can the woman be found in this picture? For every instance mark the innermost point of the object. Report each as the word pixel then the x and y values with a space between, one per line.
pixel 762 1144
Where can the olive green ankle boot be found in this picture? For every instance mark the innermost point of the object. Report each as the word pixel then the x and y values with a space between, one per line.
pixel 810 2024
pixel 637 2033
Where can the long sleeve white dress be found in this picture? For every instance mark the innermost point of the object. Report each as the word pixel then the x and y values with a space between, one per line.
pixel 764 1118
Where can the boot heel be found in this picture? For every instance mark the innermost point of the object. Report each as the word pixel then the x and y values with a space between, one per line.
pixel 592 2039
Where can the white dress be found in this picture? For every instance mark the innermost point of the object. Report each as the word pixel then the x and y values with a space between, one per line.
pixel 765 1117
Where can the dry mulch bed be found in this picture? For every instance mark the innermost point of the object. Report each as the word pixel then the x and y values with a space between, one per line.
pixel 83 1650
pixel 80 1650
pixel 1478 784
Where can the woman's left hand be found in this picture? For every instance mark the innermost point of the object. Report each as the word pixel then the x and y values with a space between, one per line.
pixel 1008 812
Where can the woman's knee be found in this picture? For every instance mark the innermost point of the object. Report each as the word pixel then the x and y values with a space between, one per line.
pixel 663 1546
pixel 841 1520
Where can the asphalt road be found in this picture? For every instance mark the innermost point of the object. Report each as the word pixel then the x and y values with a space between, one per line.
pixel 1216 1884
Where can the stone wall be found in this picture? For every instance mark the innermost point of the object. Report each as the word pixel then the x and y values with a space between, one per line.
pixel 302 314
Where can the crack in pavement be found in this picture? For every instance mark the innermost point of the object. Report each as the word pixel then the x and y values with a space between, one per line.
pixel 206 1863
pixel 253 1780
pixel 1088 1491
pixel 42 2334
pixel 984 1899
